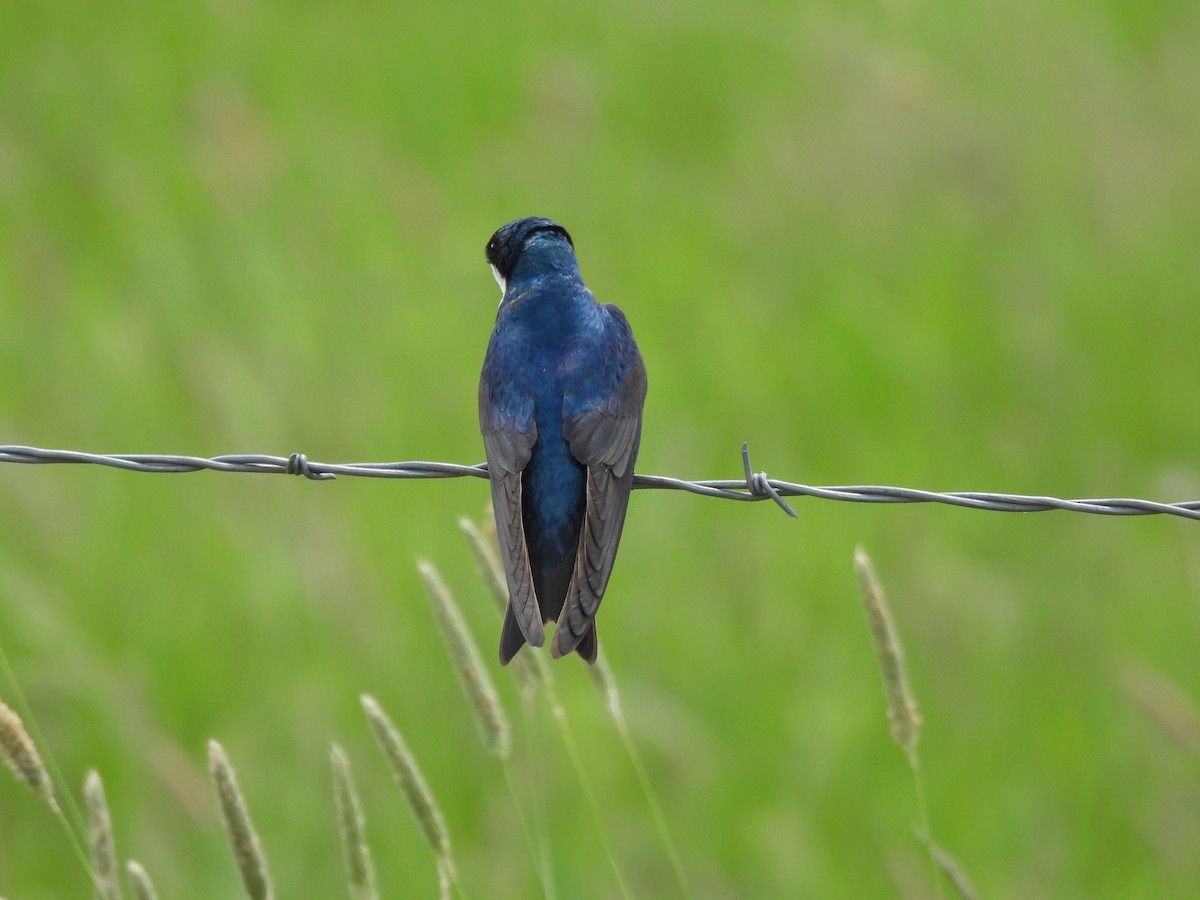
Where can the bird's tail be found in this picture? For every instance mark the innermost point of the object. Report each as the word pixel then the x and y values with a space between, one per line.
pixel 511 638
pixel 589 646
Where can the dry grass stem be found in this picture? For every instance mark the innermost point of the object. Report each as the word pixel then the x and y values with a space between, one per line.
pixel 412 783
pixel 531 668
pixel 1161 699
pixel 247 850
pixel 953 871
pixel 487 562
pixel 352 826
pixel 103 845
pixel 464 654
pixel 606 684
pixel 140 882
pixel 21 755
pixel 533 672
pixel 902 706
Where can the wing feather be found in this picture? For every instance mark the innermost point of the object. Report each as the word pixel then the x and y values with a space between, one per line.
pixel 508 445
pixel 605 439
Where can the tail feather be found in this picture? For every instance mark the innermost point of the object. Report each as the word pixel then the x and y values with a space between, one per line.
pixel 589 646
pixel 551 581
pixel 511 637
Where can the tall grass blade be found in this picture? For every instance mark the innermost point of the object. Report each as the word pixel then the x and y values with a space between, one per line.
pixel 954 873
pixel 533 671
pixel 100 839
pixel 352 826
pixel 606 684
pixel 20 754
pixel 19 751
pixel 487 562
pixel 412 785
pixel 139 881
pixel 247 851
pixel 464 654
pixel 531 668
pixel 902 705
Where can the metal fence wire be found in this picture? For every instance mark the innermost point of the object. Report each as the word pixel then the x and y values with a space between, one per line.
pixel 753 486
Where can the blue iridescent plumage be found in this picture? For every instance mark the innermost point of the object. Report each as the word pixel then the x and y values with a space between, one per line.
pixel 560 408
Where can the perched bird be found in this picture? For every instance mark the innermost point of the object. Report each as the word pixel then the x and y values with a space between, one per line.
pixel 560 408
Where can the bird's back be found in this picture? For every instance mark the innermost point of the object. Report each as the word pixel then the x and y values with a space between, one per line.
pixel 563 336
pixel 560 402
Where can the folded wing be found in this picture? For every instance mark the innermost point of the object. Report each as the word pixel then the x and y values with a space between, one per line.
pixel 605 439
pixel 508 444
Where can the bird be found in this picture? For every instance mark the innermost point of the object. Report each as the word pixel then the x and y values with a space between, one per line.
pixel 560 408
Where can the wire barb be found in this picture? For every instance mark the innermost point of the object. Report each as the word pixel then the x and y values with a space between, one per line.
pixel 759 485
pixel 297 464
pixel 751 487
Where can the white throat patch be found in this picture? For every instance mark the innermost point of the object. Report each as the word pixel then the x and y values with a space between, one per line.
pixel 499 280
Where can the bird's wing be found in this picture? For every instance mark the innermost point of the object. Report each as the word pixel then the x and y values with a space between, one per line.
pixel 508 443
pixel 605 439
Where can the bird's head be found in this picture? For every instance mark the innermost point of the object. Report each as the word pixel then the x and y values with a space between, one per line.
pixel 524 240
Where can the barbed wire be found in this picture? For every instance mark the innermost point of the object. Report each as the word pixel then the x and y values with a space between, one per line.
pixel 753 487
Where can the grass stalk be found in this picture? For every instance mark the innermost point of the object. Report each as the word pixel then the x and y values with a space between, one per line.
pixel 903 716
pixel 103 844
pixel 607 686
pixel 568 739
pixel 533 671
pixel 139 882
pixel 539 842
pixel 487 561
pixel 490 717
pixel 21 755
pixel 352 825
pixel 464 654
pixel 531 668
pixel 954 873
pixel 19 751
pixel 414 787
pixel 247 851
pixel 902 705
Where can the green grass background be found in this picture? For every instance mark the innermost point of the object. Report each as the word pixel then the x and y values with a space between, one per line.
pixel 942 245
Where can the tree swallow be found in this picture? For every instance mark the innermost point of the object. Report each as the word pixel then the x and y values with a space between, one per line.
pixel 560 408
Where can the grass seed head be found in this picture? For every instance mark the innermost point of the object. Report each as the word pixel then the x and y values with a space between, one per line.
pixel 139 881
pixel 247 851
pixel 408 776
pixel 100 839
pixel 20 754
pixel 902 705
pixel 352 826
pixel 464 654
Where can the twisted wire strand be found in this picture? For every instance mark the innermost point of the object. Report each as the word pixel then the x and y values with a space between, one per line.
pixel 753 487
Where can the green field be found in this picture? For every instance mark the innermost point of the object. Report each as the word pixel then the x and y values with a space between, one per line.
pixel 953 246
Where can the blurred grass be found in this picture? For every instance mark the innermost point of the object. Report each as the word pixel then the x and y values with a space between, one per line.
pixel 941 245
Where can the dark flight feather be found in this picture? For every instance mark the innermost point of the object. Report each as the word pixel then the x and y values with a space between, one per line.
pixel 606 441
pixel 508 452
